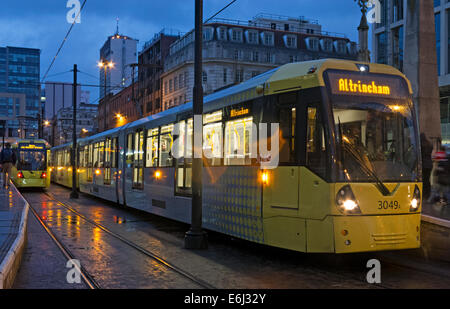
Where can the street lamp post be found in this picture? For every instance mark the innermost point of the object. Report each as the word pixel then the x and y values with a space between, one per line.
pixel 105 64
pixel 196 238
pixel 74 193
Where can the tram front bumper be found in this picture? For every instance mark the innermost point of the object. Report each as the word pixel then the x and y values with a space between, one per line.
pixel 376 233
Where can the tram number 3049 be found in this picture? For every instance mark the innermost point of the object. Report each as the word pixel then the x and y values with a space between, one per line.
pixel 388 205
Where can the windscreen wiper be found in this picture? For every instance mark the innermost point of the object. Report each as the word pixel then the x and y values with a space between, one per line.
pixel 354 153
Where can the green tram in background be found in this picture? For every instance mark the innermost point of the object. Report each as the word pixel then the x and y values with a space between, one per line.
pixel 31 169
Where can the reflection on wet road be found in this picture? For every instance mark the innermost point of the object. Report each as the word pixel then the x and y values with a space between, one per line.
pixel 228 263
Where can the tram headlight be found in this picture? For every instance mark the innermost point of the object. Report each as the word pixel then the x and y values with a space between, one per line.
pixel 415 202
pixel 346 201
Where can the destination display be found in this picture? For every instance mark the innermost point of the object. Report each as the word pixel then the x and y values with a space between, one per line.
pixel 355 83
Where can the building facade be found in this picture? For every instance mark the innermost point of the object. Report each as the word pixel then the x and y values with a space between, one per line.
pixel 59 95
pixel 118 109
pixel 235 51
pixel 62 131
pixel 122 51
pixel 151 62
pixel 19 75
pixel 388 42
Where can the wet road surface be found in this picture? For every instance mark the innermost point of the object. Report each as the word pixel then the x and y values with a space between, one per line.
pixel 228 263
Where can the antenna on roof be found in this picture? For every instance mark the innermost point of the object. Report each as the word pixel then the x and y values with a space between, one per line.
pixel 117 27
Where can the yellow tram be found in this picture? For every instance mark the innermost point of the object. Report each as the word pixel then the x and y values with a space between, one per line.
pixel 31 169
pixel 347 178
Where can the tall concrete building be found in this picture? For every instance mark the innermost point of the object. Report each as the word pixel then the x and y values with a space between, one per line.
pixel 388 42
pixel 122 51
pixel 235 51
pixel 20 102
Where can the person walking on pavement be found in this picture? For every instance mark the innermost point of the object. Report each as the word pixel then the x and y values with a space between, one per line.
pixel 427 164
pixel 7 159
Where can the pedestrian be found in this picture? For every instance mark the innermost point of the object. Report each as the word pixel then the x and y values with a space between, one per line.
pixel 427 164
pixel 437 190
pixel 7 159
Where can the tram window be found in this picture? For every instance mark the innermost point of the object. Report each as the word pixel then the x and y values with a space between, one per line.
pixel 108 153
pixel 152 148
pixel 184 162
pixel 212 142
pixel 86 156
pixel 166 142
pixel 114 152
pixel 96 163
pixel 138 153
pixel 316 151
pixel 101 154
pixel 238 139
pixel 129 153
pixel 138 160
pixel 287 122
pixel 81 157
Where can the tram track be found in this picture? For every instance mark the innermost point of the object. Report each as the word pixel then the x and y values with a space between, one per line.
pixel 85 275
pixel 323 270
pixel 162 261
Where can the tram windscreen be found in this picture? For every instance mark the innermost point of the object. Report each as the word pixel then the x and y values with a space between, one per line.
pixel 31 158
pixel 375 131
pixel 376 139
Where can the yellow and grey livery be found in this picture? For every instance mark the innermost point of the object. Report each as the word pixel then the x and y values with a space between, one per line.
pixel 348 178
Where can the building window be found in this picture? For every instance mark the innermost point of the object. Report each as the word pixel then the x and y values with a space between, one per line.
pixel 204 77
pixel 326 45
pixel 267 38
pixel 166 90
pixel 170 85
pixel 252 37
pixel 239 77
pixel 255 56
pixel 312 43
pixel 397 10
pixel 222 33
pixel 381 48
pixel 175 83
pixel 398 48
pixel 290 41
pixel 225 76
pixel 236 35
pixel 180 80
pixel 383 18
pixel 341 47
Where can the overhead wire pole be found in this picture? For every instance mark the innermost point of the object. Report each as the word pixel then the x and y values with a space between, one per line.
pixel 74 193
pixel 196 238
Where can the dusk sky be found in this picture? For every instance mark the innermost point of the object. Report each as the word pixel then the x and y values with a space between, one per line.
pixel 42 24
